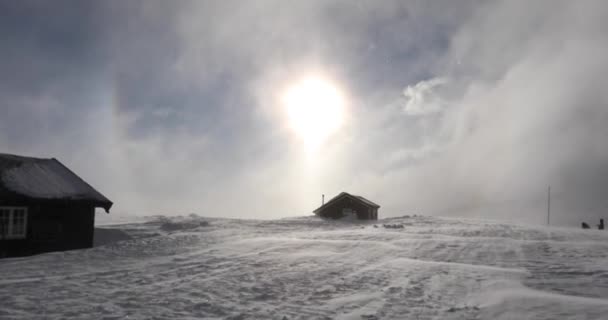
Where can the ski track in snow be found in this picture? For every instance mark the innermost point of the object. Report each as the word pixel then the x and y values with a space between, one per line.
pixel 306 268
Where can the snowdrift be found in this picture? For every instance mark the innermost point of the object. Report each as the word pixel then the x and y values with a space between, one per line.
pixel 308 268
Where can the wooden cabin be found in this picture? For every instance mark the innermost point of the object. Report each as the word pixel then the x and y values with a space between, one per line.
pixel 348 205
pixel 44 206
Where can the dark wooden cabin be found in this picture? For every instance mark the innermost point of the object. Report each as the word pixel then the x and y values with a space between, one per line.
pixel 44 206
pixel 345 205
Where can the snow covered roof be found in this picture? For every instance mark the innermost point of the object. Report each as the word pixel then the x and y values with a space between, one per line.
pixel 44 179
pixel 346 194
pixel 368 202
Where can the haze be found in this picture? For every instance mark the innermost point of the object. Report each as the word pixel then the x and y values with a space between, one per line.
pixel 465 108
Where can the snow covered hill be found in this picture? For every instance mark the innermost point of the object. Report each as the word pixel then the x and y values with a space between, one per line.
pixel 306 268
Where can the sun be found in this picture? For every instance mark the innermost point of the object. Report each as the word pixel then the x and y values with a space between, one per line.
pixel 315 110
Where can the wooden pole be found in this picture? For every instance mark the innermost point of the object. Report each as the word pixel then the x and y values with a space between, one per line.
pixel 549 205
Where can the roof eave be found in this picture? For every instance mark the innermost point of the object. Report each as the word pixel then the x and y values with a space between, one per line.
pixel 105 205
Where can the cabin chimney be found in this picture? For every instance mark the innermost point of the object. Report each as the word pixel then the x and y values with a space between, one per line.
pixel 322 199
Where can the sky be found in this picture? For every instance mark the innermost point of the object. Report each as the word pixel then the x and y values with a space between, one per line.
pixel 453 108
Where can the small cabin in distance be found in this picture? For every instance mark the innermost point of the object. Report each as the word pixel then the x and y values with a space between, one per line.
pixel 348 205
pixel 44 206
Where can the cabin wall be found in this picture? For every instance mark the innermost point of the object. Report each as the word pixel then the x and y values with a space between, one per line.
pixel 335 210
pixel 53 227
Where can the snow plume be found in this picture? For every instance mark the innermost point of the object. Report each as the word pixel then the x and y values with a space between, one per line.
pixel 529 111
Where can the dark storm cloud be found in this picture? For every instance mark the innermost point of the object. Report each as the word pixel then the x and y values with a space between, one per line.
pixel 48 62
pixel 469 107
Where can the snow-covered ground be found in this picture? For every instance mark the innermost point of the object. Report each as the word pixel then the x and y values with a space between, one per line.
pixel 306 268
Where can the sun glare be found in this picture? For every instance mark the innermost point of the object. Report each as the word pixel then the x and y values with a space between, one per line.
pixel 315 110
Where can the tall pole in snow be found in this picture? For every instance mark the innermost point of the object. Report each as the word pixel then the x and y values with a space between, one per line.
pixel 549 206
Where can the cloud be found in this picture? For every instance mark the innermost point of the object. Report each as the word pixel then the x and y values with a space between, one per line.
pixel 422 98
pixel 169 107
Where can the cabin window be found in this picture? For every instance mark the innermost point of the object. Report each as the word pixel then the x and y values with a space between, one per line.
pixel 13 222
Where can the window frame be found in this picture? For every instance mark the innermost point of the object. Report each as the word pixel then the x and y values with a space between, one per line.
pixel 10 235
